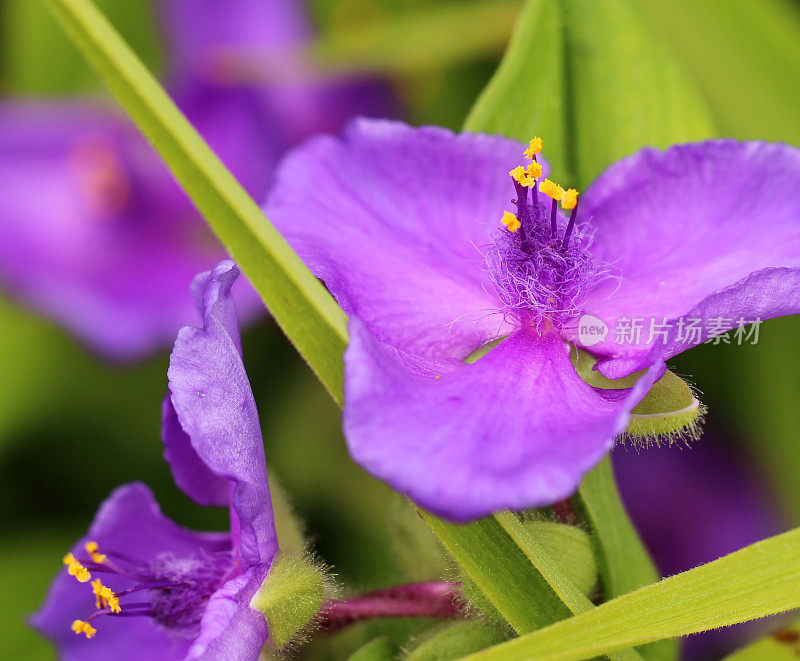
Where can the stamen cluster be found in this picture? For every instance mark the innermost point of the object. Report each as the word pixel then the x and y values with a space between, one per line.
pixel 177 588
pixel 540 264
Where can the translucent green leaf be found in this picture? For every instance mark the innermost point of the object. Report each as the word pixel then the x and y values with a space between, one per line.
pixel 626 90
pixel 421 38
pixel 781 645
pixel 297 300
pixel 759 580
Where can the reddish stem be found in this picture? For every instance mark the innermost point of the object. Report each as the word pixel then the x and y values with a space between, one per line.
pixel 564 512
pixel 434 599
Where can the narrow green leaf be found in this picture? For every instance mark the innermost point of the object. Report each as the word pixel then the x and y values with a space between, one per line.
pixel 380 649
pixel 500 569
pixel 422 38
pixel 526 96
pixel 515 573
pixel 781 645
pixel 759 580
pixel 626 90
pixel 625 564
pixel 457 639
pixel 298 302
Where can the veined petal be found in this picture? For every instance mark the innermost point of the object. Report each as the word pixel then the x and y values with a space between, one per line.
pixel 516 429
pixel 702 231
pixel 394 220
pixel 129 522
pixel 214 405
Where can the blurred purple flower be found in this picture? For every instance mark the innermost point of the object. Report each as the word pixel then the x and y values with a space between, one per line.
pixel 180 594
pixel 403 226
pixel 692 506
pixel 87 207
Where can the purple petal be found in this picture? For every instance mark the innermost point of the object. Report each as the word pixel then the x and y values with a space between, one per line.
pixel 393 219
pixel 516 429
pixel 86 209
pixel 230 629
pixel 128 522
pixel 692 506
pixel 214 405
pixel 702 231
pixel 241 128
pixel 204 34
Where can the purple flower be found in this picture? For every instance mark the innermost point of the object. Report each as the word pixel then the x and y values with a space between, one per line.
pixel 87 207
pixel 161 591
pixel 404 226
pixel 692 506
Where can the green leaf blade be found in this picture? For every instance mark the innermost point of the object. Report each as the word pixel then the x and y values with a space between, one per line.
pixel 756 581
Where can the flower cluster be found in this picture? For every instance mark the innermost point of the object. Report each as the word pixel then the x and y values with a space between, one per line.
pixel 159 590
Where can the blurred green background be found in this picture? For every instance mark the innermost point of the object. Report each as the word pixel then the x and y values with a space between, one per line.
pixel 72 428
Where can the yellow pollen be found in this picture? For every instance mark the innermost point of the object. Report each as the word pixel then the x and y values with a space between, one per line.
pixel 569 199
pixel 518 174
pixel 105 597
pixel 534 147
pixel 91 549
pixel 534 169
pixel 510 221
pixel 551 189
pixel 76 569
pixel 81 627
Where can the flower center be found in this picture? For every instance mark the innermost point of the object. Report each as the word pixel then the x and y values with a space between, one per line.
pixel 540 263
pixel 171 590
pixel 101 175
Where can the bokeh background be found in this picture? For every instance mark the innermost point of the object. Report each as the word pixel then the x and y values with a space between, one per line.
pixel 73 426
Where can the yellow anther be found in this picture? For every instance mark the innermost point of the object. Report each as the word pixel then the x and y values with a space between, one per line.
pixel 534 169
pixel 569 200
pixel 534 147
pixel 76 569
pixel 510 221
pixel 551 189
pixel 81 627
pixel 518 174
pixel 105 597
pixel 80 572
pixel 91 549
